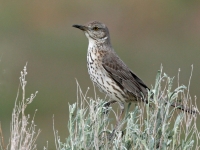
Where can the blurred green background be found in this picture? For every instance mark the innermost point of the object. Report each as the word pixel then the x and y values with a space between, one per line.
pixel 145 34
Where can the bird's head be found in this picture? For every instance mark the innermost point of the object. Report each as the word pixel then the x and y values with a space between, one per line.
pixel 95 32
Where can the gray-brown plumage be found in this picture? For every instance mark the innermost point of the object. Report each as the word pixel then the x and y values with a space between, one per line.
pixel 108 72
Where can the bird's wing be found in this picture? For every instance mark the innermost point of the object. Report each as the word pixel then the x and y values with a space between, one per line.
pixel 123 76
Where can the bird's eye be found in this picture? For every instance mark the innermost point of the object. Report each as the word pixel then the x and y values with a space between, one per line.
pixel 95 28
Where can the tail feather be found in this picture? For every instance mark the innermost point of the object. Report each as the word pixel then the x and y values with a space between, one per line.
pixel 183 108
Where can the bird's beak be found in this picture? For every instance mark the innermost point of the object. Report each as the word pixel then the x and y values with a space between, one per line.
pixel 84 28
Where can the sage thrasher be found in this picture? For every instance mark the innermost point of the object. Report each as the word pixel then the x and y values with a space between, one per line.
pixel 108 72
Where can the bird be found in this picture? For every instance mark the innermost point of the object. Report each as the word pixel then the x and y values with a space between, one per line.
pixel 108 72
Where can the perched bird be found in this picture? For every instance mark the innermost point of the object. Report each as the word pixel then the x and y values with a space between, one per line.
pixel 108 72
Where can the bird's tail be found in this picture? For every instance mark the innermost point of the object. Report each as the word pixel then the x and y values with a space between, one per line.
pixel 191 110
pixel 184 108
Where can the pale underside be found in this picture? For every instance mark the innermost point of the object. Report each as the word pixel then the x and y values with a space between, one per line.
pixel 111 79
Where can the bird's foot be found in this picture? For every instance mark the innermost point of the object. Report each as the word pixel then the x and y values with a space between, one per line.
pixel 115 133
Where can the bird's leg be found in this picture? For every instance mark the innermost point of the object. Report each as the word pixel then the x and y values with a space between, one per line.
pixel 121 105
pixel 118 125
